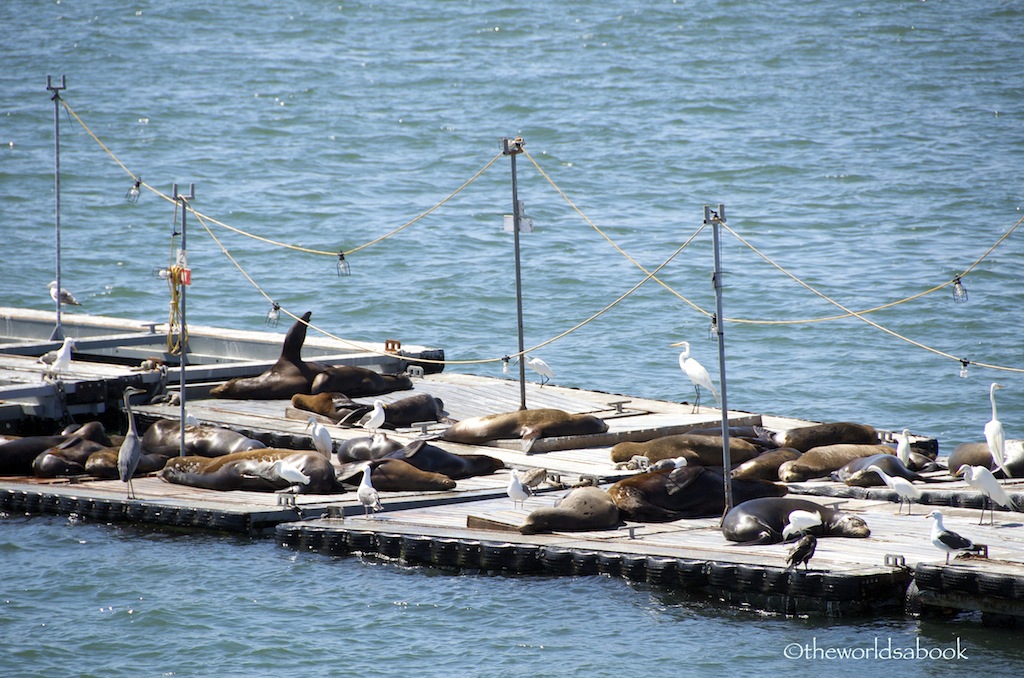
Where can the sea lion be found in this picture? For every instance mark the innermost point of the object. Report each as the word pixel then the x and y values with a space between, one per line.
pixel 819 435
pixel 526 424
pixel 978 454
pixel 395 475
pixel 288 376
pixel 698 449
pixel 819 462
pixel 855 473
pixel 761 521
pixel 17 455
pixel 367 447
pixel 358 381
pixel 205 440
pixel 66 459
pixel 765 466
pixel 687 492
pixel 103 463
pixel 411 410
pixel 253 470
pixel 432 458
pixel 584 508
pixel 90 430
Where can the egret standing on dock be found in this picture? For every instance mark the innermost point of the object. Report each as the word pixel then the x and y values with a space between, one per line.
pixel 131 448
pixel 541 368
pixel 981 479
pixel 799 522
pixel 65 296
pixel 946 540
pixel 290 472
pixel 321 438
pixel 901 486
pixel 903 447
pixel 368 496
pixel 994 434
pixel 697 374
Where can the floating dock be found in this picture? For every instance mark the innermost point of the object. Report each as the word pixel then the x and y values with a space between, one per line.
pixel 473 528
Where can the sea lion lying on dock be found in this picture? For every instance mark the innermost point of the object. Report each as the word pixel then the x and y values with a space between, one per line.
pixel 264 470
pixel 525 424
pixel 765 466
pixel 357 381
pixel 855 473
pixel 687 492
pixel 584 508
pixel 18 454
pixel 761 521
pixel 414 409
pixel 365 448
pixel 818 435
pixel 103 463
pixel 698 449
pixel 977 454
pixel 67 459
pixel 820 462
pixel 205 440
pixel 395 475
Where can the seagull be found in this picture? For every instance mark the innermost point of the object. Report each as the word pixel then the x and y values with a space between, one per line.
pixel 516 491
pixel 799 522
pixel 994 434
pixel 290 472
pixel 901 486
pixel 541 368
pixel 377 417
pixel 58 361
pixel 321 438
pixel 65 296
pixel 981 479
pixel 802 551
pixel 696 372
pixel 948 541
pixel 903 447
pixel 131 448
pixel 368 496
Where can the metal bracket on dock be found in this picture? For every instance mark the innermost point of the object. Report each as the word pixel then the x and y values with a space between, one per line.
pixel 415 371
pixel 286 500
pixel 617 404
pixel 424 426
pixel 895 560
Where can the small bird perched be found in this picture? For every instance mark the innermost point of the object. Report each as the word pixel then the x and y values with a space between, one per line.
pixel 65 296
pixel 534 477
pixel 378 416
pixel 541 368
pixel 696 373
pixel 946 540
pixel 58 361
pixel 516 491
pixel 901 486
pixel 799 522
pixel 130 453
pixel 802 551
pixel 981 479
pixel 321 438
pixel 994 434
pixel 368 496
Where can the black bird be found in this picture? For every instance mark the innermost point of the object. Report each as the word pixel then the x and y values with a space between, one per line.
pixel 802 551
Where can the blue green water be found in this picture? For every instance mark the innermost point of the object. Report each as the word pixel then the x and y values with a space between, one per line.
pixel 872 150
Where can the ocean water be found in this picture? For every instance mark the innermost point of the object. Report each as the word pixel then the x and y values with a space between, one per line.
pixel 869 152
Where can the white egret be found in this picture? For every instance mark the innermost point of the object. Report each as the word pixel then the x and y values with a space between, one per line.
pixel 290 472
pixel 903 447
pixel 131 448
pixel 377 417
pixel 541 368
pixel 58 361
pixel 901 486
pixel 321 437
pixel 994 433
pixel 800 521
pixel 65 296
pixel 802 551
pixel 981 479
pixel 947 540
pixel 516 491
pixel 697 374
pixel 368 496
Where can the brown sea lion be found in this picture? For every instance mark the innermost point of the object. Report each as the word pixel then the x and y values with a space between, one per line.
pixel 358 381
pixel 687 492
pixel 584 508
pixel 765 466
pixel 819 435
pixel 395 475
pixel 698 449
pixel 819 462
pixel 255 470
pixel 977 454
pixel 17 455
pixel 855 474
pixel 525 424
pixel 364 448
pixel 421 407
pixel 205 440
pixel 103 463
pixel 427 457
pixel 66 459
pixel 761 521
pixel 288 376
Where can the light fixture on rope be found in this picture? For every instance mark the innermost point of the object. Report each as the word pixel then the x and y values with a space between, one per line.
pixel 959 293
pixel 713 328
pixel 274 314
pixel 504 365
pixel 964 362
pixel 132 195
pixel 343 267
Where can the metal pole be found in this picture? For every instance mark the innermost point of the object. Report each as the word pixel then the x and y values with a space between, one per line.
pixel 183 332
pixel 58 331
pixel 512 149
pixel 716 278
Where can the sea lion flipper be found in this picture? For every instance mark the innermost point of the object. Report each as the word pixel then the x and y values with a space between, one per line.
pixel 292 348
pixel 679 478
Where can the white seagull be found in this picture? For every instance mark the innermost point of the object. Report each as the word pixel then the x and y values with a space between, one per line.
pixel 321 438
pixel 59 360
pixel 697 374
pixel 903 448
pixel 945 540
pixel 541 368
pixel 368 496
pixel 377 417
pixel 799 522
pixel 981 479
pixel 65 296
pixel 994 434
pixel 901 486
pixel 516 491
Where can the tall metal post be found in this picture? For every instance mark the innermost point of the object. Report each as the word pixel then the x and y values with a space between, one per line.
pixel 182 280
pixel 512 148
pixel 58 330
pixel 716 220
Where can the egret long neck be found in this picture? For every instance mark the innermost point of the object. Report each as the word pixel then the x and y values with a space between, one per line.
pixel 992 397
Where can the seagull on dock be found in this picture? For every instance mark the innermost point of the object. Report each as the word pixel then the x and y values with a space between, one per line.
pixel 130 453
pixel 368 496
pixel 696 373
pixel 541 368
pixel 994 434
pixel 981 479
pixel 947 540
pixel 901 486
pixel 65 296
pixel 58 361
pixel 802 552
pixel 799 522
pixel 377 417
pixel 321 438
pixel 516 491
